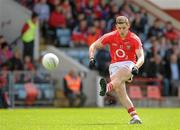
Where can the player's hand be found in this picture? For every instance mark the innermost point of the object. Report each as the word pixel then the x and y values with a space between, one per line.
pixel 135 70
pixel 92 63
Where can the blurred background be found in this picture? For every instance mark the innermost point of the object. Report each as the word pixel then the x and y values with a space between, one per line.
pixel 31 28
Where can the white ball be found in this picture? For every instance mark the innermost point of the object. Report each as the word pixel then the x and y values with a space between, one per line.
pixel 50 61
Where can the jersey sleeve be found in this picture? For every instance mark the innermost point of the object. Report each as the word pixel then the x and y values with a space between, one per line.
pixel 105 39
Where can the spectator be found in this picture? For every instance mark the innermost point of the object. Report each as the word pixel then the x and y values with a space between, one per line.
pixel 173 49
pixel 53 4
pixel 173 73
pixel 157 70
pixel 79 7
pixel 92 35
pixel 43 11
pixel 102 26
pixel 156 29
pixel 98 25
pixel 170 32
pixel 154 49
pixel 103 9
pixel 111 23
pixel 144 17
pixel 73 89
pixel 67 11
pixel 28 36
pixel 127 10
pixel 57 18
pixel 28 65
pixel 29 69
pixel 89 7
pixel 163 45
pixel 2 40
pixel 113 10
pixel 5 53
pixel 79 36
pixel 3 88
pixel 138 25
pixel 15 63
pixel 80 17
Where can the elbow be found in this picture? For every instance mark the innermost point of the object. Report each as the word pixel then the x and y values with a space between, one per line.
pixel 142 60
pixel 91 47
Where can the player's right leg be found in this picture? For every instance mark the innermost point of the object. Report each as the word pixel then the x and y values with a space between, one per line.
pixel 127 103
pixel 118 82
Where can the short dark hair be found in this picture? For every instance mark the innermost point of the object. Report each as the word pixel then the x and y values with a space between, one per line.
pixel 34 15
pixel 3 45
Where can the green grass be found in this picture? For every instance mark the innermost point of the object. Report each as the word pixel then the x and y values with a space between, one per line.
pixel 88 119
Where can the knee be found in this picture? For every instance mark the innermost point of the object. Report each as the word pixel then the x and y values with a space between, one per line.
pixel 116 84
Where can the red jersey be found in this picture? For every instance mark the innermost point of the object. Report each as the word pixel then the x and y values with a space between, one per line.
pixel 122 50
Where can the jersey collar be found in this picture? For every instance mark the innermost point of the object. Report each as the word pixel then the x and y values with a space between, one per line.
pixel 127 37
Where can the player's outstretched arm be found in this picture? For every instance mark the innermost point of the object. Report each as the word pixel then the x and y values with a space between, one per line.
pixel 92 50
pixel 140 61
pixel 94 46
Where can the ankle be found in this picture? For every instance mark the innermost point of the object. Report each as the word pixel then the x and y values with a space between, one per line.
pixel 132 112
pixel 136 117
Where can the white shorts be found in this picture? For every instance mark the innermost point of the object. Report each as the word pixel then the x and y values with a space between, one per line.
pixel 113 68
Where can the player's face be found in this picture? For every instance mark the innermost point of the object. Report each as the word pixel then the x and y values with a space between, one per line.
pixel 123 29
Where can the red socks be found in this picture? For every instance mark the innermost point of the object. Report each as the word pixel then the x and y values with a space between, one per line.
pixel 109 87
pixel 132 112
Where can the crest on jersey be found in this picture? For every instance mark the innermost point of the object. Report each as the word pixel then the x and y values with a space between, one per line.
pixel 128 47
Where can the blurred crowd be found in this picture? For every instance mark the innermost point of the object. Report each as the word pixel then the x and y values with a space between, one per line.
pixel 78 23
pixel 16 69
pixel 11 59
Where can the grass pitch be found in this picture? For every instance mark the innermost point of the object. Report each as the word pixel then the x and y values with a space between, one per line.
pixel 88 119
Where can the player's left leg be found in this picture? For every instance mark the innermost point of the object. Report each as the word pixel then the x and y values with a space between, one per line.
pixel 103 85
pixel 116 76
